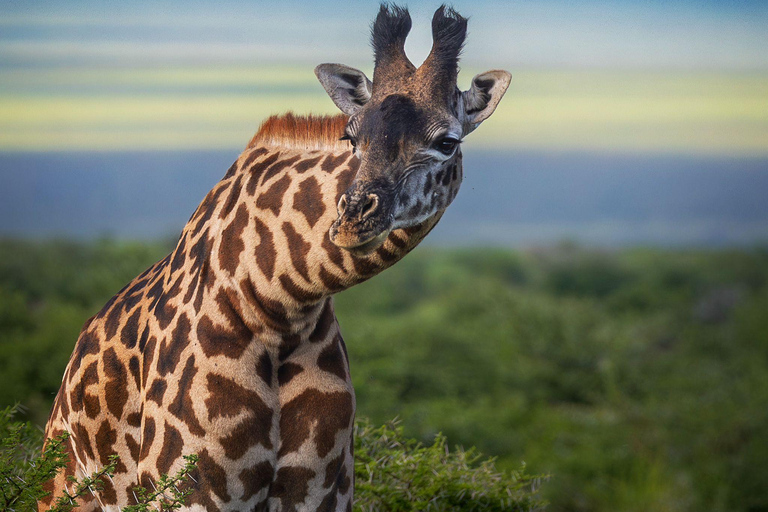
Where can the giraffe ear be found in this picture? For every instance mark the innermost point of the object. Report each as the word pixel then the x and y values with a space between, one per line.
pixel 481 99
pixel 348 87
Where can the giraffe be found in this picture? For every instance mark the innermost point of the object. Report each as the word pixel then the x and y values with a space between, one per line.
pixel 229 347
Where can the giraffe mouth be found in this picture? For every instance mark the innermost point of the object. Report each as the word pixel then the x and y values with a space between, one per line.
pixel 355 244
pixel 371 245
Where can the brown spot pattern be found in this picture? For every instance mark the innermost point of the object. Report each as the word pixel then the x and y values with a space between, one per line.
pixel 250 432
pixel 256 171
pixel 307 164
pixel 80 399
pixel 230 340
pixel 309 200
pixel 332 470
pixel 331 163
pixel 133 446
pixel 277 167
pixel 231 241
pixel 365 267
pixel 87 343
pixel 289 344
pixel 331 281
pixel 129 335
pixel 272 199
pixel 256 153
pixel 171 450
pixel 343 182
pixel 134 419
pixel 329 502
pixel 313 415
pixel 255 479
pixel 287 372
pixel 107 494
pixel 265 250
pixel 234 195
pixel 149 355
pixel 179 254
pixel 106 437
pixel 333 252
pixel 207 207
pixel 264 368
pixel 213 476
pixel 112 319
pixel 386 255
pixel 298 249
pixel 271 312
pixel 316 412
pixel 135 368
pixel 164 311
pixel 324 323
pixel 291 486
pixel 116 389
pixel 182 406
pixel 157 390
pixel 297 292
pixel 227 398
pixel 331 360
pixel 170 351
pixel 147 437
pixel 82 440
pixel 231 171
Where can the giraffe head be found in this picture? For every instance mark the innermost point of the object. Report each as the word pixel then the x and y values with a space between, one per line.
pixel 405 127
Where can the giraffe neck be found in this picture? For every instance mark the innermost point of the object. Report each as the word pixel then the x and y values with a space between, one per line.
pixel 262 234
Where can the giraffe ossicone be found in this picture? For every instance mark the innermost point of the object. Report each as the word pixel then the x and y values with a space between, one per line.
pixel 229 347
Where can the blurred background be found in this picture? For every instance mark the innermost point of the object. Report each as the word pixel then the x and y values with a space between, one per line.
pixel 594 303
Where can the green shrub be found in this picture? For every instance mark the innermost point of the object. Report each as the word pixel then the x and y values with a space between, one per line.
pixel 393 473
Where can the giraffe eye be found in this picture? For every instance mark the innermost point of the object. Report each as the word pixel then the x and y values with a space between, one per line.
pixel 446 145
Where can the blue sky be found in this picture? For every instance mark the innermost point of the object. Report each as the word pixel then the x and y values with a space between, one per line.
pixel 646 34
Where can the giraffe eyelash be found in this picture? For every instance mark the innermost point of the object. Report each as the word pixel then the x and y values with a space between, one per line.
pixel 351 140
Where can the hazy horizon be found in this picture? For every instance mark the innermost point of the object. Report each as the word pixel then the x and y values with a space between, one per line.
pixel 508 198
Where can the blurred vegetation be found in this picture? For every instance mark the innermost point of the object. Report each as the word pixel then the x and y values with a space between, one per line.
pixel 638 379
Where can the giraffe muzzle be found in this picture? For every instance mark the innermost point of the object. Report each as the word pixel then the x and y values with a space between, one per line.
pixel 363 223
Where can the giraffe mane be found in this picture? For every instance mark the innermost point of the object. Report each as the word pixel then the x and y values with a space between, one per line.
pixel 302 132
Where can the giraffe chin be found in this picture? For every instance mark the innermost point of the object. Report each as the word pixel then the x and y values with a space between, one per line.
pixel 365 248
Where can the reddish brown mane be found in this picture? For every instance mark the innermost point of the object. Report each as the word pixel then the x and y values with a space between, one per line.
pixel 309 132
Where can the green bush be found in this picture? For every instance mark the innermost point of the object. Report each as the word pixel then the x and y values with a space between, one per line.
pixel 393 473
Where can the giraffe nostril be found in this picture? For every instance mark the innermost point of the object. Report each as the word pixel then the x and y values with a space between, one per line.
pixel 370 206
pixel 342 206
